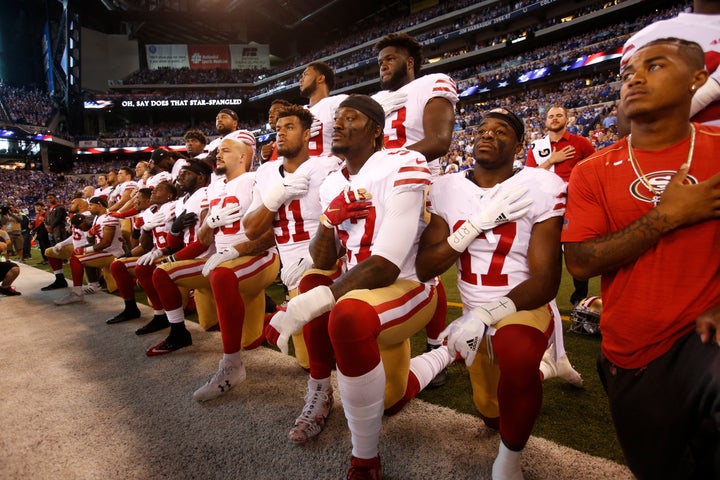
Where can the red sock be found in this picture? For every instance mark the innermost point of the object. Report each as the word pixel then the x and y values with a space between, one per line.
pixel 230 308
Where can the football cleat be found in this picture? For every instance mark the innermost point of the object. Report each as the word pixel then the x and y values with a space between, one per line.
pixel 562 369
pixel 310 423
pixel 71 297
pixel 170 344
pixel 9 291
pixel 365 469
pixel 227 376
pixel 157 323
pixel 57 284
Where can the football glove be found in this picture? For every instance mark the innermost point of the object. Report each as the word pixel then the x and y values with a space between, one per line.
pixel 300 310
pixel 155 220
pixel 347 205
pixel 464 336
pixel 216 259
pixel 315 128
pixel 293 272
pixel 221 216
pixel 150 257
pixel 495 208
pixel 184 220
pixel 292 186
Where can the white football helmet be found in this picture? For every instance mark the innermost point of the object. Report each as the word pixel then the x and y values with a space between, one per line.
pixel 585 316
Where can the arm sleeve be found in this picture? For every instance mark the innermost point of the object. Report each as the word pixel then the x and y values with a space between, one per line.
pixel 399 229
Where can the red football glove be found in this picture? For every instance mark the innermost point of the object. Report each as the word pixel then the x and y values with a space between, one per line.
pixel 94 230
pixel 347 205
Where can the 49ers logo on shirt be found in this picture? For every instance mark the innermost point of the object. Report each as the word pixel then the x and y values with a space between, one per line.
pixel 658 181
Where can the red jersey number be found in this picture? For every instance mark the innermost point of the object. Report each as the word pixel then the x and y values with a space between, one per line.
pixel 494 276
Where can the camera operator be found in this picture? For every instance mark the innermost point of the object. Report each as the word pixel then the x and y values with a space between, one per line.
pixel 10 218
pixel 9 271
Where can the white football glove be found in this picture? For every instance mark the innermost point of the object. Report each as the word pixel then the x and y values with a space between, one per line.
pixel 155 220
pixel 315 128
pixel 466 333
pixel 391 101
pixel 293 185
pixel 300 310
pixel 56 248
pixel 464 336
pixel 221 216
pixel 216 259
pixel 293 272
pixel 150 257
pixel 496 207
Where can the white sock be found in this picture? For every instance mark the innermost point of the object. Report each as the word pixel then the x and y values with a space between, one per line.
pixel 96 285
pixel 323 383
pixel 78 290
pixel 363 400
pixel 558 340
pixel 429 364
pixel 507 465
pixel 233 358
pixel 434 341
pixel 158 312
pixel 175 316
pixel 58 272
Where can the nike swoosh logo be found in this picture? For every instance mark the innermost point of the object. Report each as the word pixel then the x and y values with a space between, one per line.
pixel 419 162
pixel 333 210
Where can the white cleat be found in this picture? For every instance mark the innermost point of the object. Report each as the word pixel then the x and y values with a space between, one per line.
pixel 562 369
pixel 318 404
pixel 71 297
pixel 227 376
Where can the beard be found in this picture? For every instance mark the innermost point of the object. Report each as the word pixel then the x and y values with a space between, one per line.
pixel 288 151
pixel 396 79
pixel 309 90
pixel 221 170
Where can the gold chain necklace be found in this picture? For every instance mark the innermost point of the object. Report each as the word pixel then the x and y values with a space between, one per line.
pixel 641 175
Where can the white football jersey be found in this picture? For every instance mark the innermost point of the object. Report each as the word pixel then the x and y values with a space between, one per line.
pixel 160 233
pixel 116 245
pixel 385 174
pixel 155 180
pixel 79 237
pixel 488 271
pixel 324 111
pixel 298 219
pixel 196 203
pixel 237 191
pixel 118 192
pixel 103 192
pixel 404 127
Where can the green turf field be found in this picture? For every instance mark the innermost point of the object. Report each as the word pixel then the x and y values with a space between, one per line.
pixel 577 418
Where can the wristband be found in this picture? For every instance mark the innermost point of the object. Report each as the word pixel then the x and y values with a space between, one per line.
pixel 461 238
pixel 493 312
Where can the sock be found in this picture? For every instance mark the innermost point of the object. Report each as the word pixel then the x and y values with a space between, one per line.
pixel 558 341
pixel 78 290
pixel 58 274
pixel 233 358
pixel 130 305
pixel 363 399
pixel 426 366
pixel 157 313
pixel 507 465
pixel 323 383
pixel 175 316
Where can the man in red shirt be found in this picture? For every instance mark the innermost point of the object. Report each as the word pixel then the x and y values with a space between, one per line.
pixel 559 152
pixel 644 213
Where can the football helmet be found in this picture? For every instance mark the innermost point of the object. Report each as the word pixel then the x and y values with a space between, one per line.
pixel 585 316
